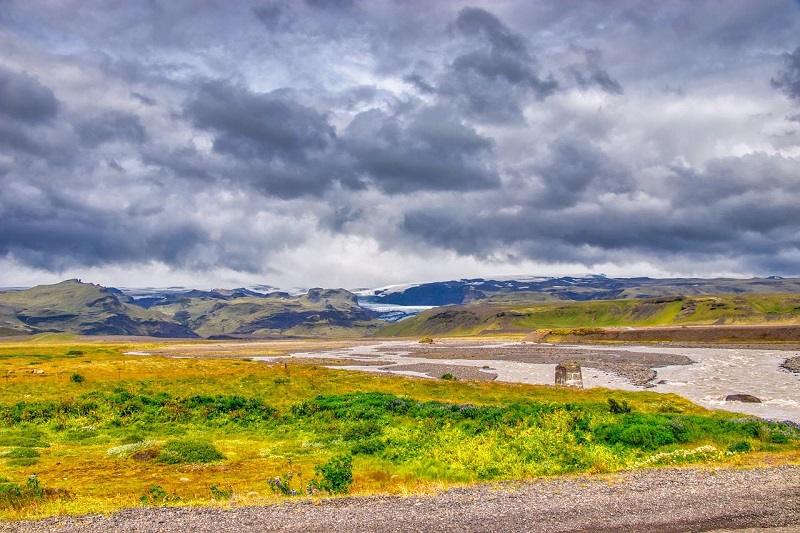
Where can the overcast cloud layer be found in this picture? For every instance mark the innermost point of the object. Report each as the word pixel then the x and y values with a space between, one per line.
pixel 365 143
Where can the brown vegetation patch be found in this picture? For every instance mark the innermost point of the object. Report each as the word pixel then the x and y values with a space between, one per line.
pixel 145 455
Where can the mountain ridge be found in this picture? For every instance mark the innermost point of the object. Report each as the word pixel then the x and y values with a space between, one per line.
pixel 467 306
pixel 72 306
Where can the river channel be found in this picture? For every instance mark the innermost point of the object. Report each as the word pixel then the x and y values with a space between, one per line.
pixel 713 373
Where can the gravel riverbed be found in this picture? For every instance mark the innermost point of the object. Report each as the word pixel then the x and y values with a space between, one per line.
pixel 653 500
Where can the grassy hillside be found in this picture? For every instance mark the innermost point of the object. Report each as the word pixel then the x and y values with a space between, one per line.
pixel 80 308
pixel 101 428
pixel 317 313
pixel 513 314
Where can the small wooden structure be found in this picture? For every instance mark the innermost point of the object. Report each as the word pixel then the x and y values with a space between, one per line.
pixel 568 374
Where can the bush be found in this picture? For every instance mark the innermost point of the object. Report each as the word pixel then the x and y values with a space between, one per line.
pixel 77 378
pixel 335 476
pixel 188 451
pixel 14 496
pixel 361 429
pixel 449 377
pixel 283 485
pixel 156 495
pixel 618 408
pixel 368 446
pixel 639 431
pixel 740 447
pixel 220 493
pixel 776 437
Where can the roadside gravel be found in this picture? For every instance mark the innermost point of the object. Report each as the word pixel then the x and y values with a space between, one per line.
pixel 656 500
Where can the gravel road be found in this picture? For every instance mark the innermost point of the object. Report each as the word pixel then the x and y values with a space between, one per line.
pixel 657 500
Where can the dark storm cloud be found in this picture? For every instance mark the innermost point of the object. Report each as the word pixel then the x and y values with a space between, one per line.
pixel 278 144
pixel 258 126
pixel 270 15
pixel 146 100
pixel 111 126
pixel 476 23
pixel 53 231
pixel 419 83
pixel 735 202
pixel 788 79
pixel 24 98
pixel 592 73
pixel 494 80
pixel 576 168
pixel 432 150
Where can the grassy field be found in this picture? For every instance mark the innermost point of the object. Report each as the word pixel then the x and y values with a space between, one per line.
pixel 513 313
pixel 85 427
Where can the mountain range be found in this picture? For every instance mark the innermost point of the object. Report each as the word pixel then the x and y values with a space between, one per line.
pixel 575 288
pixel 87 309
pixel 472 306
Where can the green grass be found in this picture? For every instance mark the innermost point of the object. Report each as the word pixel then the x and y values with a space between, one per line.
pixel 515 315
pixel 155 430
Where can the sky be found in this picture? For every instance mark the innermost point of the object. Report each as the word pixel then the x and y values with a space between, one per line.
pixel 365 143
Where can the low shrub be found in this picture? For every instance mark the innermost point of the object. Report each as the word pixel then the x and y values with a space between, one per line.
pixel 742 446
pixel 15 496
pixel 188 451
pixel 129 450
pixel 285 484
pixel 618 407
pixel 647 433
pixel 335 476
pixel 156 495
pixel 221 493
pixel 776 437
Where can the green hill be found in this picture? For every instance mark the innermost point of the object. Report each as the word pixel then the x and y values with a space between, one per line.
pixel 514 315
pixel 80 308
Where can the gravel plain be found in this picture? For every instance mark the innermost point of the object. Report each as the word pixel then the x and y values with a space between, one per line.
pixel 637 367
pixel 652 500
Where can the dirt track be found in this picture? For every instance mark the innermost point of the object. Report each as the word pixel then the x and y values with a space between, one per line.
pixel 659 500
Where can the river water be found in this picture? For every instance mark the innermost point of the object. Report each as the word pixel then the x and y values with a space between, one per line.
pixel 718 372
pixel 715 373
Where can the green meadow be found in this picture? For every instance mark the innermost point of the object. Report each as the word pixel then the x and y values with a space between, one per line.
pixel 85 428
pixel 523 314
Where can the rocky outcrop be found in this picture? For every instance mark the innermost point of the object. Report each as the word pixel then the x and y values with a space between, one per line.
pixel 792 364
pixel 745 398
